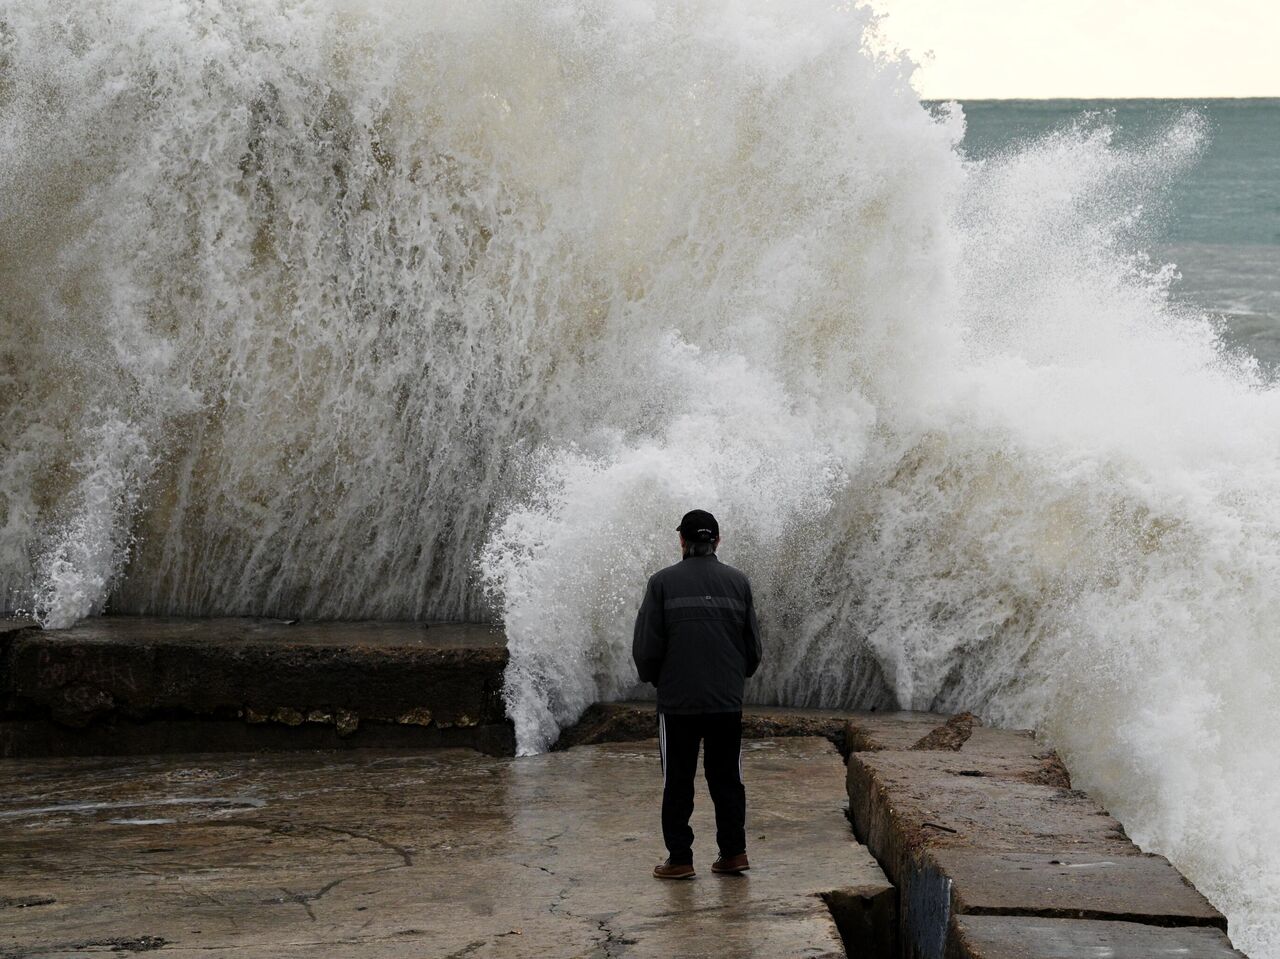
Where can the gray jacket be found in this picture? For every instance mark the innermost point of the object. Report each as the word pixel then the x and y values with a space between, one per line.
pixel 696 636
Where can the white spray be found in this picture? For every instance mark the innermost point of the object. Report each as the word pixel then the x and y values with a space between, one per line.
pixel 308 308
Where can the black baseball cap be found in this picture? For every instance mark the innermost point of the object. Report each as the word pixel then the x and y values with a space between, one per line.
pixel 699 526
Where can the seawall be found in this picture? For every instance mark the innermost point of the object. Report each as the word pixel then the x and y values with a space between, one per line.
pixel 130 685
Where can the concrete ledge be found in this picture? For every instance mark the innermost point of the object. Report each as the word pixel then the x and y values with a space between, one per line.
pixel 1001 752
pixel 135 684
pixel 1133 888
pixel 634 721
pixel 904 802
pixel 872 732
pixel 972 822
pixel 1016 937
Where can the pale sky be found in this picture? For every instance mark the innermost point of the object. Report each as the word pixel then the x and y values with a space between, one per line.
pixel 1088 48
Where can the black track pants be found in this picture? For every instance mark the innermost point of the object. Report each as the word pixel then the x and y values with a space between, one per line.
pixel 721 738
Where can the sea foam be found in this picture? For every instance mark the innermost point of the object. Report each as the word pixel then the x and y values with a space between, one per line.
pixel 450 310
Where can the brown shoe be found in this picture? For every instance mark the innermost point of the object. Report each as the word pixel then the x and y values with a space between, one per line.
pixel 670 870
pixel 731 865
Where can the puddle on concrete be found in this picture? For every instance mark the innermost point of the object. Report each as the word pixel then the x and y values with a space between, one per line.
pixel 142 822
pixel 225 804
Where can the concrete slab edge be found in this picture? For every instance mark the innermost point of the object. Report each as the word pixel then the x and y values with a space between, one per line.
pixel 929 909
pixel 1026 937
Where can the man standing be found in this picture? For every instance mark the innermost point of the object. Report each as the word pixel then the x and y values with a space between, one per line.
pixel 697 640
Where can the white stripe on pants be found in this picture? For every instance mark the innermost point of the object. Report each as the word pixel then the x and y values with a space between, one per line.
pixel 662 746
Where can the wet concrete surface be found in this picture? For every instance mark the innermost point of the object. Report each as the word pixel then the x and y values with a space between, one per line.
pixel 445 853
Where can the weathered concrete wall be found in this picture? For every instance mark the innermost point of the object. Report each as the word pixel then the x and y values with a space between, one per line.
pixel 133 684
pixel 995 855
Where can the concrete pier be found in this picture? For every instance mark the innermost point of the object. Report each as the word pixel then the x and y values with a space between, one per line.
pixel 990 851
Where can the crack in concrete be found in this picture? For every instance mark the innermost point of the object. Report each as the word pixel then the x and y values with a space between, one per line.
pixel 612 938
pixel 403 852
pixel 305 899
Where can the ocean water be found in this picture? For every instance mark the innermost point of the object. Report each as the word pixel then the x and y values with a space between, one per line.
pixel 448 310
pixel 1218 222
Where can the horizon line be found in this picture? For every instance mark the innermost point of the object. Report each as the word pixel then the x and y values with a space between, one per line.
pixel 1029 99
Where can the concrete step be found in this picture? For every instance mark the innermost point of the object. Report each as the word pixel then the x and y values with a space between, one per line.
pixel 1022 937
pixel 125 685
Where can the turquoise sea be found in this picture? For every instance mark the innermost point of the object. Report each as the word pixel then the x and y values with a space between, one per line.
pixel 1221 224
